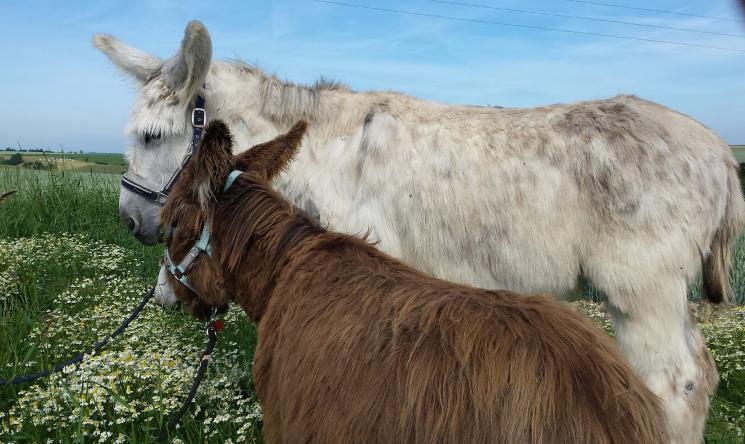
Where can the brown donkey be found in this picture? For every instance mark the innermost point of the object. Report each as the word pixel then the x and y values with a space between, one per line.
pixel 355 346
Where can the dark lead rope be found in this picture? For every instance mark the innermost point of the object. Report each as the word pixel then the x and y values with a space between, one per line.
pixel 78 358
pixel 198 378
pixel 212 326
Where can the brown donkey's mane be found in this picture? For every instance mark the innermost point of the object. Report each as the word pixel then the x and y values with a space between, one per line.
pixel 253 211
pixel 355 346
pixel 258 224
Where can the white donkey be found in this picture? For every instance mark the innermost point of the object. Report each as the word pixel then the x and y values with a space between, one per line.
pixel 628 193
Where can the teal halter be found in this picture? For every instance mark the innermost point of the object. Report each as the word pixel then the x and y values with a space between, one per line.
pixel 180 270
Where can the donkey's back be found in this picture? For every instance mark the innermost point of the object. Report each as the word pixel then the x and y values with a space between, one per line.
pixel 355 346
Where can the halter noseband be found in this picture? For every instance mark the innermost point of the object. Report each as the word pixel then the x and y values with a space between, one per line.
pixel 198 120
pixel 180 270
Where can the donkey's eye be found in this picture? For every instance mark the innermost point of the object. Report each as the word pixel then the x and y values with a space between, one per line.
pixel 150 137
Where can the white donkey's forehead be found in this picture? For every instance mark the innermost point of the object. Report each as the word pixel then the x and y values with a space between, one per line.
pixel 156 111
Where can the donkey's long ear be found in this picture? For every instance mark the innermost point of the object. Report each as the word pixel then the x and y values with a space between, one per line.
pixel 134 62
pixel 270 158
pixel 185 72
pixel 210 167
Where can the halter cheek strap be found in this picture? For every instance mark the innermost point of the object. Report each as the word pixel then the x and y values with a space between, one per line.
pixel 231 178
pixel 180 270
pixel 198 120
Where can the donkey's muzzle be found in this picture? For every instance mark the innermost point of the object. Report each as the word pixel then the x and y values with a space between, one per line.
pixel 147 236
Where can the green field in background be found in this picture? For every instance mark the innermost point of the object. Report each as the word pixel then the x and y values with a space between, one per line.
pixel 109 163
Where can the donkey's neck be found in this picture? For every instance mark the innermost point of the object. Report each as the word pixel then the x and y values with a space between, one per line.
pixel 258 236
pixel 257 107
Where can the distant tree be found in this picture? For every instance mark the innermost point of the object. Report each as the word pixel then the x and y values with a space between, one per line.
pixel 15 159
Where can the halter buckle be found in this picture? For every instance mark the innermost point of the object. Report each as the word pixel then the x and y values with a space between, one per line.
pixel 162 198
pixel 198 117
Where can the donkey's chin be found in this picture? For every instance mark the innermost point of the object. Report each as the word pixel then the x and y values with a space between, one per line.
pixel 203 311
pixel 164 294
pixel 149 237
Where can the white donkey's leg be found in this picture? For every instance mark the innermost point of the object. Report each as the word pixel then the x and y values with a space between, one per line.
pixel 164 295
pixel 655 331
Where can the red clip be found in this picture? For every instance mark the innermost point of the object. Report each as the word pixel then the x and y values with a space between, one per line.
pixel 219 325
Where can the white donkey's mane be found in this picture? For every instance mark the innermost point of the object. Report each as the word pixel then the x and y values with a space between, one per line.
pixel 286 99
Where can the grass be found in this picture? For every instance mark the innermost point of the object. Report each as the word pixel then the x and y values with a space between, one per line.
pixel 63 194
pixel 63 292
pixel 69 273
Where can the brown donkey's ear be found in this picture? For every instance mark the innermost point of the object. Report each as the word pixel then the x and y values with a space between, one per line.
pixel 270 158
pixel 211 165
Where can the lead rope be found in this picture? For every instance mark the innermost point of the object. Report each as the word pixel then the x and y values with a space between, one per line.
pixel 79 357
pixel 213 326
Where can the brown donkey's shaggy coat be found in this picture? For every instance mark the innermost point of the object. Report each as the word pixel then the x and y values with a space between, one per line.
pixel 355 346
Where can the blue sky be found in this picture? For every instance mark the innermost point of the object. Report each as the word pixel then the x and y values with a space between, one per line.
pixel 57 90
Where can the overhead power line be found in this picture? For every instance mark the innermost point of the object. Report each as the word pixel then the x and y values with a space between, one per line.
pixel 577 17
pixel 515 25
pixel 660 11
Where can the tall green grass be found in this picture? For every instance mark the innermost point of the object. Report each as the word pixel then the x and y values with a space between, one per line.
pixel 68 202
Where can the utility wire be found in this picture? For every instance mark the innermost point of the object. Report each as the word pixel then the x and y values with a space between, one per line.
pixel 661 11
pixel 593 19
pixel 514 25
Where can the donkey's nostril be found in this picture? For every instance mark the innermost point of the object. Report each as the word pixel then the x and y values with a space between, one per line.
pixel 131 224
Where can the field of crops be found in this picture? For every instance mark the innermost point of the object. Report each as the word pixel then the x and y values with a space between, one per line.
pixel 110 163
pixel 70 272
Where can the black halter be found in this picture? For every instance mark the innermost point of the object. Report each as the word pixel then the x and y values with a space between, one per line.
pixel 198 119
